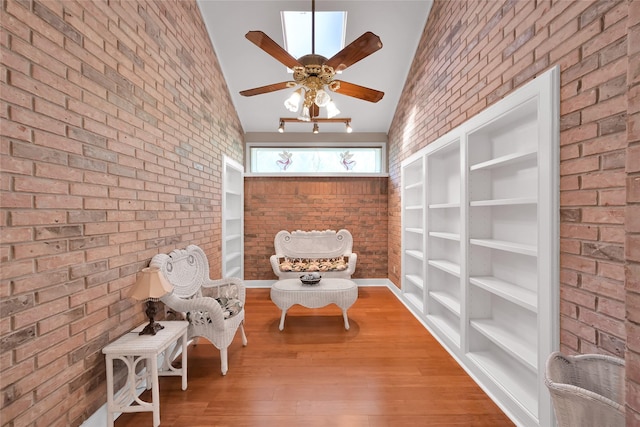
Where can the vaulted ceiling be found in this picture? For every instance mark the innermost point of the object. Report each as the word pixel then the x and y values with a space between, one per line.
pixel 399 24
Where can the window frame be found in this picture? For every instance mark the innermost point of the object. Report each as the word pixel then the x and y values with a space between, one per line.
pixel 342 145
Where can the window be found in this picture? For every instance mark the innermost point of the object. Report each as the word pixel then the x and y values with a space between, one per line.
pixel 324 159
pixel 329 32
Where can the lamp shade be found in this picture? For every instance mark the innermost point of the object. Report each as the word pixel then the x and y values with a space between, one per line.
pixel 151 285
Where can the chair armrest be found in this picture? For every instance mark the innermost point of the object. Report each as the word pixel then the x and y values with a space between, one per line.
pixel 275 265
pixel 204 304
pixel 230 287
pixel 351 266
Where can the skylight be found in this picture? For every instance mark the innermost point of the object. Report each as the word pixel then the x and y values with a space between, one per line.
pixel 329 29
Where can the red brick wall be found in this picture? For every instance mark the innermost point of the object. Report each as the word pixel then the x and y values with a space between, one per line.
pixel 114 119
pixel 356 204
pixel 632 219
pixel 471 55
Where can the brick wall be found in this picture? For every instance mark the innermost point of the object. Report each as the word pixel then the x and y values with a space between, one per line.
pixel 114 119
pixel 632 219
pixel 356 204
pixel 473 54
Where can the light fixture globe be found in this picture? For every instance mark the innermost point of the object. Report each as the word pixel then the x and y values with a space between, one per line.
pixel 332 110
pixel 293 102
pixel 305 116
pixel 322 98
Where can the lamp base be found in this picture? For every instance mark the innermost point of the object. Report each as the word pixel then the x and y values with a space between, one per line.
pixel 152 327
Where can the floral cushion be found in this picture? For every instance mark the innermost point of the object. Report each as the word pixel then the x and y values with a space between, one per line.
pixel 230 307
pixel 321 264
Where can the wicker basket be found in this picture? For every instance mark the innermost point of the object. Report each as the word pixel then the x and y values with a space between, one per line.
pixel 586 390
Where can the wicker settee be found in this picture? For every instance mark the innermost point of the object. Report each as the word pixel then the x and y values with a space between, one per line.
pixel 327 252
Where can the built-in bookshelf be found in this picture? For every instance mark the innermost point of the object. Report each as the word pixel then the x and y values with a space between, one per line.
pixel 480 245
pixel 232 219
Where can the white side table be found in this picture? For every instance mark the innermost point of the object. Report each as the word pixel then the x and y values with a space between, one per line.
pixel 132 348
pixel 288 292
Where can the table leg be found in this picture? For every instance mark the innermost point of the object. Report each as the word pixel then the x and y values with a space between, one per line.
pixel 284 313
pixel 346 319
pixel 110 404
pixel 155 391
pixel 184 361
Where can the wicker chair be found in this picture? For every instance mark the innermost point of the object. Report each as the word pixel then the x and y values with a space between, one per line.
pixel 586 390
pixel 214 308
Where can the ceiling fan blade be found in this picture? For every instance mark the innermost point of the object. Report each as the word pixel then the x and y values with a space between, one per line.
pixel 268 88
pixel 267 44
pixel 356 91
pixel 358 49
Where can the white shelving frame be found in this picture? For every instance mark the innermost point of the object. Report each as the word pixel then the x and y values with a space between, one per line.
pixel 232 219
pixel 480 245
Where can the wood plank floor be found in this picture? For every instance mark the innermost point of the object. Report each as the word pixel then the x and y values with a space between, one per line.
pixel 386 371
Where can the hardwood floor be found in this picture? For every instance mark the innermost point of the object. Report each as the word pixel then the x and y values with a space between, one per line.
pixel 386 371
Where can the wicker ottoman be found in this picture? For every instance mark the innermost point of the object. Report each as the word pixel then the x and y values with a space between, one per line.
pixel 341 292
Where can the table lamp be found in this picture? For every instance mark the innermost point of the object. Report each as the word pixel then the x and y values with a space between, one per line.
pixel 150 287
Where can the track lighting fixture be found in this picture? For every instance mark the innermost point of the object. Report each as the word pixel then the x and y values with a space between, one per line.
pixel 315 121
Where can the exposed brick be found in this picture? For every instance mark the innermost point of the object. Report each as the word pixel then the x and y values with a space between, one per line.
pixel 93 104
pixel 633 189
pixel 632 247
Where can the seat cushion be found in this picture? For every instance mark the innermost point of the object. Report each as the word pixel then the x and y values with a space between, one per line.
pixel 230 307
pixel 320 264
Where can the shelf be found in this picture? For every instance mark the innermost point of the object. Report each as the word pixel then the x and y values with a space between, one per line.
pixel 413 207
pixel 444 205
pixel 414 230
pixel 518 248
pixel 415 301
pixel 232 256
pixel 446 300
pixel 447 236
pixel 231 237
pixel 232 272
pixel 509 380
pixel 414 185
pixel 232 218
pixel 416 280
pixel 505 160
pixel 509 342
pixel 506 202
pixel 514 293
pixel 446 266
pixel 444 326
pixel 415 254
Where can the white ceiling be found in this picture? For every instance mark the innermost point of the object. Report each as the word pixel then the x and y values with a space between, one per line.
pixel 399 24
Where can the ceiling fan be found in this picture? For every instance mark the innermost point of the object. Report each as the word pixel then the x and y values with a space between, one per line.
pixel 314 72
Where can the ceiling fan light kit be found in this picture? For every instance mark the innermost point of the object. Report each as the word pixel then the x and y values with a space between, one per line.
pixel 314 74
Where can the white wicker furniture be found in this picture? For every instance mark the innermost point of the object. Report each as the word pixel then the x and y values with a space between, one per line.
pixel 194 294
pixel 341 292
pixel 313 251
pixel 132 349
pixel 587 390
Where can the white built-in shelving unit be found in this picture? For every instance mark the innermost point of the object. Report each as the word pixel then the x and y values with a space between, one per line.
pixel 232 219
pixel 480 245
